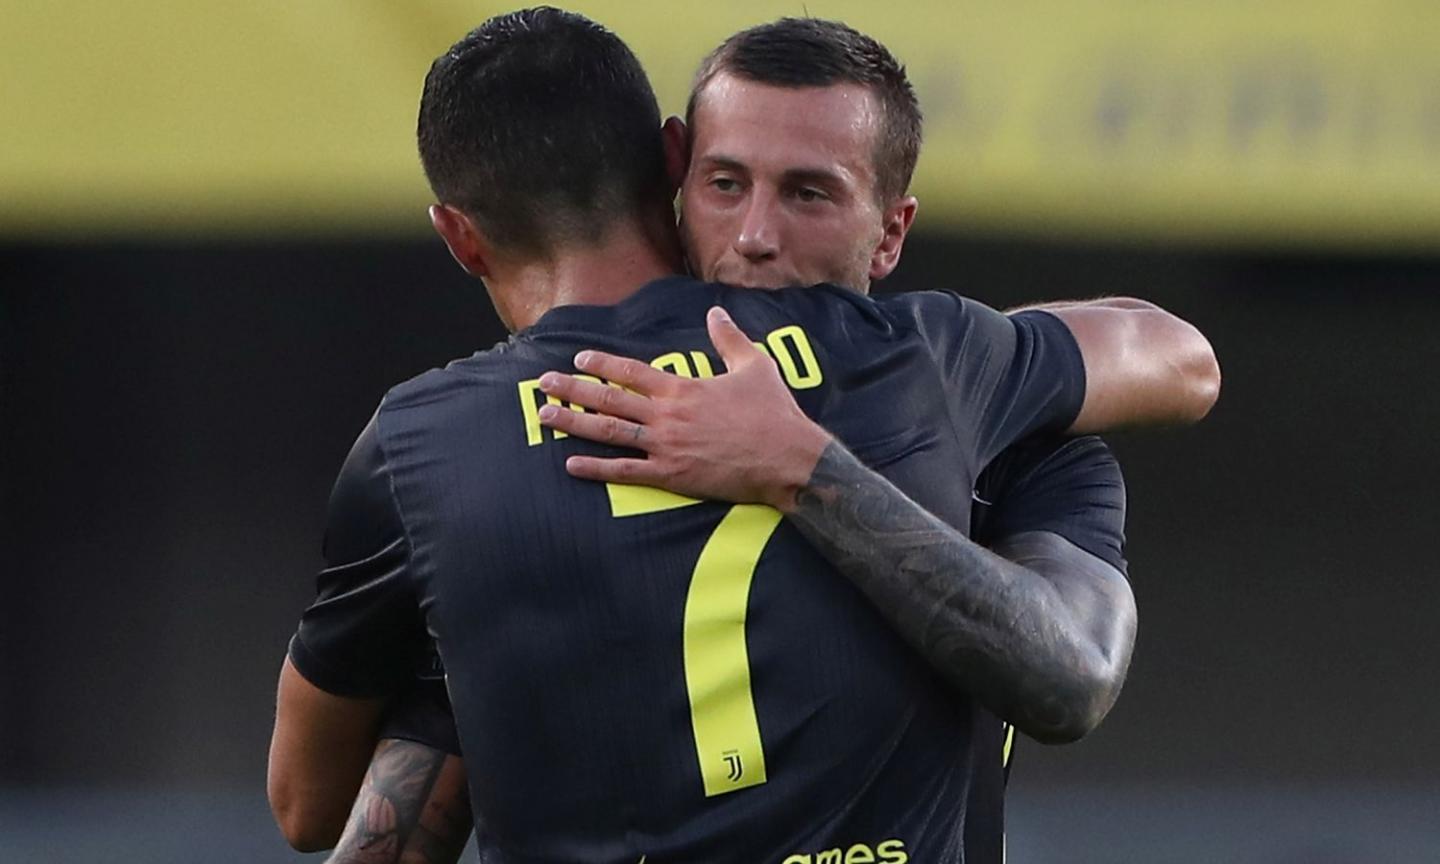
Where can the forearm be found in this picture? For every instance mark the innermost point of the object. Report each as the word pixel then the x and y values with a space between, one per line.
pixel 318 753
pixel 997 629
pixel 412 809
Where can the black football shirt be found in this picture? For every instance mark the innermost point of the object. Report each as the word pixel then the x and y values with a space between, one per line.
pixel 1067 486
pixel 636 675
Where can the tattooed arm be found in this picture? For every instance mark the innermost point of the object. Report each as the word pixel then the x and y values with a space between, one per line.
pixel 413 808
pixel 1047 652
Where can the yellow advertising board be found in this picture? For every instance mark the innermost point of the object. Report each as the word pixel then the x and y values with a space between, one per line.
pixel 1283 122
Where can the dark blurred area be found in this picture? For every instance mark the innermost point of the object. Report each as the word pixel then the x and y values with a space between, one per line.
pixel 171 418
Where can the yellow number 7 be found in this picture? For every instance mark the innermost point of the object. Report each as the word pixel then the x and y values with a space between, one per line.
pixel 717 663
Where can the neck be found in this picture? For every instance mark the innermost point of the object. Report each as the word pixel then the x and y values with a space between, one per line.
pixel 600 275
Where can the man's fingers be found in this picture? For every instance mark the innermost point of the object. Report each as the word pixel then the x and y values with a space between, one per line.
pixel 598 397
pixel 634 471
pixel 732 343
pixel 640 377
pixel 594 427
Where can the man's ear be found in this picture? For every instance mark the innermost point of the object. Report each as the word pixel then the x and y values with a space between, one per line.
pixel 895 223
pixel 466 243
pixel 677 151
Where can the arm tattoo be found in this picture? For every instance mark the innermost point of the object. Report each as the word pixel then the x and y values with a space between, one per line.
pixel 413 808
pixel 996 629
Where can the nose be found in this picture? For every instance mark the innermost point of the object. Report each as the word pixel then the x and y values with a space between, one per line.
pixel 758 239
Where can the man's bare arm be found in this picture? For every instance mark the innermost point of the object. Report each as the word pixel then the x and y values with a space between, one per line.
pixel 1144 366
pixel 1043 639
pixel 1031 651
pixel 321 743
pixel 414 808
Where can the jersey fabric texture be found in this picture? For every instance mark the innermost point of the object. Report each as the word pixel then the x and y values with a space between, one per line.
pixel 637 675
pixel 1067 486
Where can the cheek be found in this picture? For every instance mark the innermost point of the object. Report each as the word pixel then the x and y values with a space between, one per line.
pixel 703 209
pixel 702 233
pixel 841 253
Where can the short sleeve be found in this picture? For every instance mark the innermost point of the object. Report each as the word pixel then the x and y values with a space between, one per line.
pixel 1005 376
pixel 423 713
pixel 1067 486
pixel 364 634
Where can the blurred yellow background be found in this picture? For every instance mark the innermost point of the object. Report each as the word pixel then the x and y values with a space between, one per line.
pixel 1287 123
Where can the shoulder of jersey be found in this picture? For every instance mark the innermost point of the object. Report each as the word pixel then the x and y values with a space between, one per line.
pixel 457 375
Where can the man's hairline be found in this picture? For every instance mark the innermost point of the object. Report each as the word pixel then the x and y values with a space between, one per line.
pixel 692 108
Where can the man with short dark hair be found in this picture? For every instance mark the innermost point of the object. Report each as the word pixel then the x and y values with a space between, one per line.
pixel 528 288
pixel 802 53
pixel 841 90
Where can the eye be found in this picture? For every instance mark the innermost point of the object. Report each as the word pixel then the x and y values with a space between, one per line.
pixel 725 184
pixel 809 194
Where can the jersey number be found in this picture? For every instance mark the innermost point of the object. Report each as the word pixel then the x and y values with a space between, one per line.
pixel 717 664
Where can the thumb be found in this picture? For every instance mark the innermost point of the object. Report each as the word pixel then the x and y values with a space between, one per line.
pixel 734 346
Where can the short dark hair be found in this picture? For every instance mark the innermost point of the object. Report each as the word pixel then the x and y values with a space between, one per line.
pixel 542 126
pixel 811 52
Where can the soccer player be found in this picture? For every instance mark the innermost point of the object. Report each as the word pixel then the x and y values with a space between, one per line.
pixel 1065 487
pixel 509 264
pixel 414 798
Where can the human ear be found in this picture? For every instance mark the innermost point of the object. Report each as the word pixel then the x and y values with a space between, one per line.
pixel 465 241
pixel 895 225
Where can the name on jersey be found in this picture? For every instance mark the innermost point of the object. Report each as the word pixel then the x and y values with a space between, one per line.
pixel 885 852
pixel 789 346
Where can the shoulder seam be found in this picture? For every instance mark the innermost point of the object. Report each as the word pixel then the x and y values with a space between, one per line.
pixel 390 486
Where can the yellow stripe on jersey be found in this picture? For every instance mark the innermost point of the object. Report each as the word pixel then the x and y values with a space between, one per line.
pixel 628 500
pixel 717 664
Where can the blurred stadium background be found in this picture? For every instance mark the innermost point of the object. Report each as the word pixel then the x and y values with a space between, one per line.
pixel 214 259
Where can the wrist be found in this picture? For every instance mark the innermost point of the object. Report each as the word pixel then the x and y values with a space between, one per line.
pixel 801 453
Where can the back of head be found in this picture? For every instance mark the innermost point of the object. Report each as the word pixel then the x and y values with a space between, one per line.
pixel 810 52
pixel 542 126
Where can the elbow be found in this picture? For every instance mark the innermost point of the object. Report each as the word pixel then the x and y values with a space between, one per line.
pixel 303 828
pixel 1190 367
pixel 1076 706
pixel 1082 718
pixel 1074 716
pixel 1202 378
pixel 304 836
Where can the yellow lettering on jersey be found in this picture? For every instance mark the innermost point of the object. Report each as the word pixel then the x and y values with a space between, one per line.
pixel 717 663
pixel 859 854
pixel 728 748
pixel 788 345
pixel 675 363
pixel 628 500
pixel 530 410
pixel 703 369
pixel 888 851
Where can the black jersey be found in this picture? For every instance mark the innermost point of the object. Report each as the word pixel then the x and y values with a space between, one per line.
pixel 1067 486
pixel 638 675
